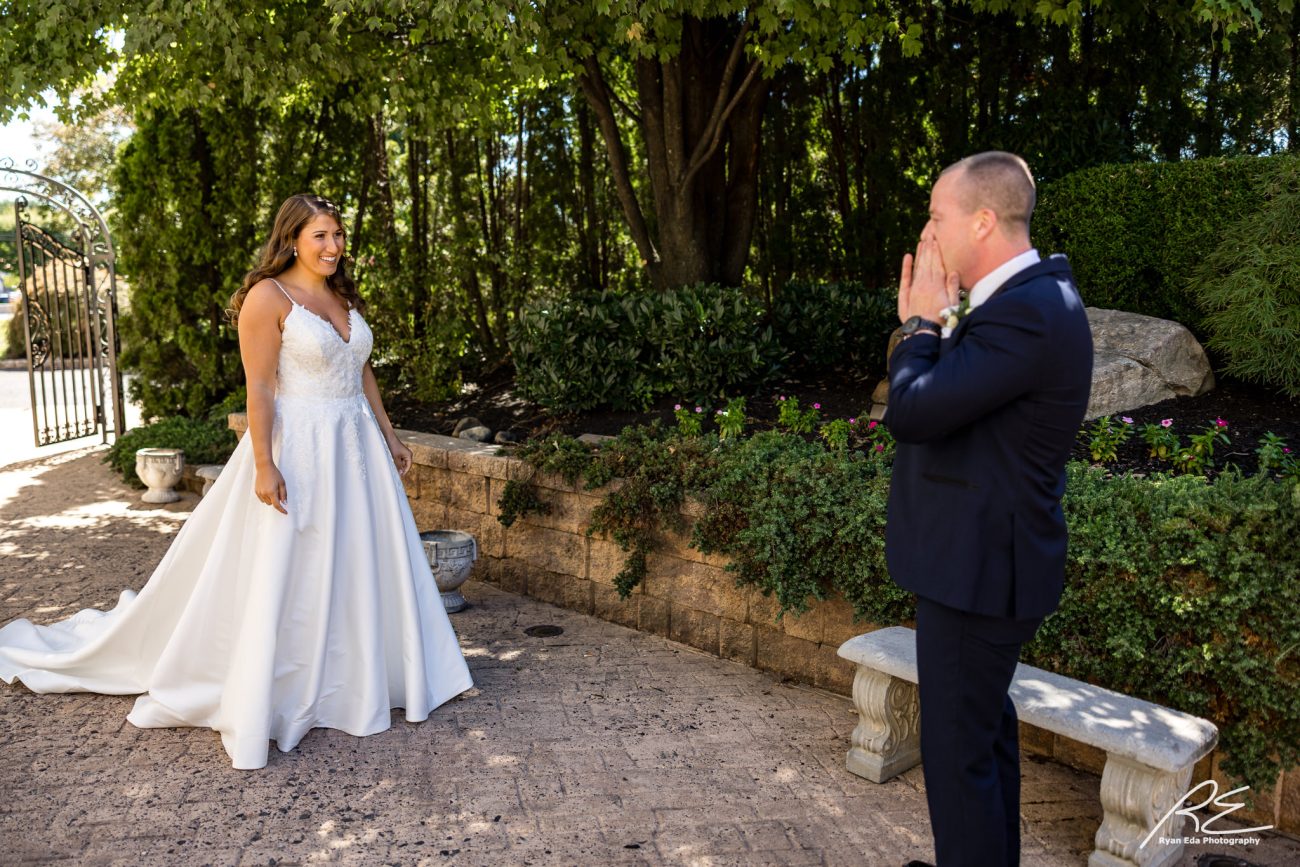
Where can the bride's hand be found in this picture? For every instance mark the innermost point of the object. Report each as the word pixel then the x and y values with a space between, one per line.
pixel 401 454
pixel 269 487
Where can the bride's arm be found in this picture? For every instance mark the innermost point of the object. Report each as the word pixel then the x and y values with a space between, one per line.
pixel 259 348
pixel 401 454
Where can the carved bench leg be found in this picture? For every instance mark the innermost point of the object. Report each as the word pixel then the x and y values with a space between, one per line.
pixel 1135 797
pixel 887 740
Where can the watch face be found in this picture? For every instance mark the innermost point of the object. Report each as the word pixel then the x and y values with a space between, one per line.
pixel 911 324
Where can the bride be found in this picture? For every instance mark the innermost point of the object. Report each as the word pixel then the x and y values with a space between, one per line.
pixel 297 595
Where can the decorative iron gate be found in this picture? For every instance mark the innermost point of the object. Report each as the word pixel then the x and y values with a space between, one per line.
pixel 68 282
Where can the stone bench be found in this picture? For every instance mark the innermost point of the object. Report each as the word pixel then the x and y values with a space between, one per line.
pixel 1150 749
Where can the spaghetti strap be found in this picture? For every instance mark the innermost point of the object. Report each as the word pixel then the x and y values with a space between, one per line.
pixel 285 291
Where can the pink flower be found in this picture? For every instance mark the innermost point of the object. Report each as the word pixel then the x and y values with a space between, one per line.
pixel 1286 451
pixel 699 409
pixel 872 426
pixel 853 421
pixel 880 447
pixel 1166 422
pixel 817 406
pixel 1126 419
pixel 782 397
pixel 677 407
pixel 1220 422
pixel 719 412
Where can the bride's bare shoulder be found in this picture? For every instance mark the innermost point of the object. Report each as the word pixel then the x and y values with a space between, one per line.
pixel 265 300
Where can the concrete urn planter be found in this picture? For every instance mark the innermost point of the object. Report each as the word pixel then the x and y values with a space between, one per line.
pixel 161 470
pixel 451 556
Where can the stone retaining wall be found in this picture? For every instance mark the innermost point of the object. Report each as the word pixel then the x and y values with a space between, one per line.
pixel 686 597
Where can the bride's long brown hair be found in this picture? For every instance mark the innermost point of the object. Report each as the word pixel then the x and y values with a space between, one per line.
pixel 277 253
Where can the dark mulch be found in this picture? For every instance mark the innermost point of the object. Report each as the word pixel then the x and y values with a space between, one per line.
pixel 1250 410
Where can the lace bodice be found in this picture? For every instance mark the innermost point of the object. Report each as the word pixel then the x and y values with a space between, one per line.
pixel 315 360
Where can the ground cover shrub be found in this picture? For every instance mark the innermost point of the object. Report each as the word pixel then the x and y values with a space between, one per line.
pixel 204 441
pixel 1249 287
pixel 1135 233
pixel 623 350
pixel 1178 590
pixel 820 324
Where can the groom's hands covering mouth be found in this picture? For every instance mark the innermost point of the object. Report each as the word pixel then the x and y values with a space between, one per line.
pixel 925 287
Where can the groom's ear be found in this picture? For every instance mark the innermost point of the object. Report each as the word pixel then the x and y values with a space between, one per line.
pixel 986 221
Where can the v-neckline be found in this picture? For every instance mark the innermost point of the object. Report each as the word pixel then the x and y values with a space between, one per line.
pixel 346 341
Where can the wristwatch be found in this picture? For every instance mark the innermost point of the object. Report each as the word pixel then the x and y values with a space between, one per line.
pixel 917 323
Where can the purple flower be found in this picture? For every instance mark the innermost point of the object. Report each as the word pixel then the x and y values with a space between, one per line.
pixel 1166 422
pixel 1286 451
pixel 677 407
pixel 699 409
pixel 1220 422
pixel 853 421
pixel 1126 419
pixel 817 406
pixel 880 447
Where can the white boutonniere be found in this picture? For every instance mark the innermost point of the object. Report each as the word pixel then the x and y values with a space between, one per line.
pixel 950 316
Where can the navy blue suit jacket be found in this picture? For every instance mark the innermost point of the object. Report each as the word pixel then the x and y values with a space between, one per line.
pixel 985 420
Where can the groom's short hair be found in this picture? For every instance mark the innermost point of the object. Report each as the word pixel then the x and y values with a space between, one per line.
pixel 999 181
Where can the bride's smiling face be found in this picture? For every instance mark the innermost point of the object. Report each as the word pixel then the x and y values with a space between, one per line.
pixel 320 245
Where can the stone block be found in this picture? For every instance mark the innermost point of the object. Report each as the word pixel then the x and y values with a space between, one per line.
pixel 466 491
pixel 695 585
pixel 1035 741
pixel 546 549
pixel 605 560
pixel 785 654
pixel 608 605
pixel 1079 755
pixel 653 616
pixel 429 515
pixel 736 641
pixel 1288 808
pixel 550 587
pixel 696 628
pixel 764 611
pixel 831 672
pixel 838 623
pixel 479 459
pixel 679 545
pixel 807 625
pixel 509 575
pixel 1261 804
pixel 577 594
pixel 427 449
pixel 485 529
pixel 411 484
pixel 569 512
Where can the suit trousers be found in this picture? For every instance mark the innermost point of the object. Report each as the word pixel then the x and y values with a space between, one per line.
pixel 969 740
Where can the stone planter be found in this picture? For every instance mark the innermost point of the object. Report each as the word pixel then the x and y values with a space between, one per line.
pixel 451 555
pixel 161 470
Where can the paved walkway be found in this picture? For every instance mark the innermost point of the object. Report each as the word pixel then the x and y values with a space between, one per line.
pixel 598 746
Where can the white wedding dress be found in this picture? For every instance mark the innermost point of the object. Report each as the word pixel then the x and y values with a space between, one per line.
pixel 263 626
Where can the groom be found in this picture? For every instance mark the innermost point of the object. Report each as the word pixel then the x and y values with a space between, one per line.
pixel 986 396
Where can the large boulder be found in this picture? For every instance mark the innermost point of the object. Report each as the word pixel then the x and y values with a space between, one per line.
pixel 1140 360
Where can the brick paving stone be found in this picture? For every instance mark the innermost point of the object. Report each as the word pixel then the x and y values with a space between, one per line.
pixel 599 746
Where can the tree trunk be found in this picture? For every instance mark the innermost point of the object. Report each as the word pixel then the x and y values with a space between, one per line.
pixel 462 233
pixel 588 216
pixel 701 115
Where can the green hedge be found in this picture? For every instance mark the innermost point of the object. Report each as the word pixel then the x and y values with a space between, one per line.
pixel 1136 232
pixel 695 343
pixel 625 350
pixel 1179 591
pixel 203 441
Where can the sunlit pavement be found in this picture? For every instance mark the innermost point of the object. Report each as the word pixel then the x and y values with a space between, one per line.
pixel 598 746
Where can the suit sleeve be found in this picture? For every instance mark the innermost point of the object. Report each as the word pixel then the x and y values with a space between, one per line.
pixel 997 360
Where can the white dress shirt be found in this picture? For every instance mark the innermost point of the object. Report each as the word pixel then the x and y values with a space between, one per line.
pixel 992 281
